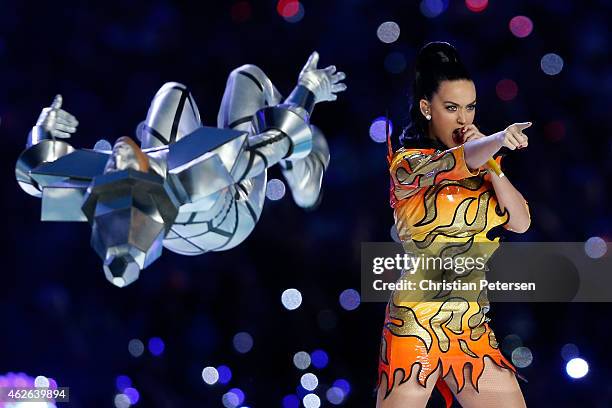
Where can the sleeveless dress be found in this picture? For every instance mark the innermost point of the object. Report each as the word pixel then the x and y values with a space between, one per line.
pixel 440 205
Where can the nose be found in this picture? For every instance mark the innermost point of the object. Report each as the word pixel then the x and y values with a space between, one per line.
pixel 461 117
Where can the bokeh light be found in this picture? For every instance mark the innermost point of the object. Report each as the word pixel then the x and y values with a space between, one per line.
pixel 395 62
pixel 291 10
pixel 291 401
pixel 291 299
pixel 554 131
pixel 335 395
pixel 297 16
pixel 521 26
pixel 522 357
pixel 230 400
pixel 41 382
pixel 287 8
pixel 506 90
pixel 569 351
pixel 225 374
pixel 309 381
pixel 388 32
pixel 551 64
pixel 350 299
pixel 433 8
pixel 243 342
pixel 343 385
pixel 239 393
pixel 210 375
pixel 319 359
pixel 577 368
pixel 103 145
pixel 122 401
pixel 378 129
pixel 301 391
pixel 136 347
pixel 132 394
pixel 275 189
pixel 311 401
pixel 595 247
pixel 156 346
pixel 301 360
pixel 476 6
pixel 122 382
pixel 241 11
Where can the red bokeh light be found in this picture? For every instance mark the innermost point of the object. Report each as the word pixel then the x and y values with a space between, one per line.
pixel 476 5
pixel 555 131
pixel 506 89
pixel 288 8
pixel 241 11
pixel 521 26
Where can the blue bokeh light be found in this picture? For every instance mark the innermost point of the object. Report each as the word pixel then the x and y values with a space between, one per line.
pixel 319 359
pixel 156 346
pixel 378 129
pixel 225 374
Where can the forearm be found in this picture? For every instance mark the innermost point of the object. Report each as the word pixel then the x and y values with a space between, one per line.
pixel 304 176
pixel 41 148
pixel 264 150
pixel 511 199
pixel 478 151
pixel 281 132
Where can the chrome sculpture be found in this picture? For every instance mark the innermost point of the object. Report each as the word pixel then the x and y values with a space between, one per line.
pixel 188 187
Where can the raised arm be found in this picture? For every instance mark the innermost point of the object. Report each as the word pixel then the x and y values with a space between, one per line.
pixel 45 144
pixel 283 131
pixel 477 152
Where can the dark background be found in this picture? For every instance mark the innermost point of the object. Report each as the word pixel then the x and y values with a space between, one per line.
pixel 61 318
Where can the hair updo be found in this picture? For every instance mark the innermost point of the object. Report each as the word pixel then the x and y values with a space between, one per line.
pixel 436 62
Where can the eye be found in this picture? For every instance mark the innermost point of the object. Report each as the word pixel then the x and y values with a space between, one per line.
pixel 471 107
pixel 451 108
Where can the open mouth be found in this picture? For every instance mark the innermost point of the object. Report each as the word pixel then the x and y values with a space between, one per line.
pixel 458 135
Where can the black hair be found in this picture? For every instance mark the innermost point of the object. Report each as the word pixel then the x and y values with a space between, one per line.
pixel 436 62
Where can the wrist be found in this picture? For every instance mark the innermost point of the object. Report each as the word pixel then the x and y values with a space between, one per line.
pixel 302 97
pixel 499 139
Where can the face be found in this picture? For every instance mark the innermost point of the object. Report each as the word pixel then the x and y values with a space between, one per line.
pixel 452 107
pixel 125 157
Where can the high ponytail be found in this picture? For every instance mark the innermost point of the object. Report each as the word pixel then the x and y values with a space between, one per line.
pixel 436 62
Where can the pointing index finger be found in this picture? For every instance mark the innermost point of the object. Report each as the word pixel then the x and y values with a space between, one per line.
pixel 523 125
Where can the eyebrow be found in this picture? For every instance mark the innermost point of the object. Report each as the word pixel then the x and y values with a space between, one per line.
pixel 455 103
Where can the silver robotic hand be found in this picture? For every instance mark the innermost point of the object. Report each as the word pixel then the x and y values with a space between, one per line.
pixel 323 83
pixel 53 122
pixel 45 144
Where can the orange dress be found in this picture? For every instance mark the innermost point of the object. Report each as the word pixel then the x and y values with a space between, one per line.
pixel 438 204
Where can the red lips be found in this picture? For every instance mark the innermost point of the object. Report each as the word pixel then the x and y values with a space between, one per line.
pixel 458 135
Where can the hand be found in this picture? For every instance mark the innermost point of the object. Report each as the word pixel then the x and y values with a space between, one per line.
pixel 513 136
pixel 323 83
pixel 471 132
pixel 57 121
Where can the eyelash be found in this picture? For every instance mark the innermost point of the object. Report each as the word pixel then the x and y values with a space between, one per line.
pixel 453 108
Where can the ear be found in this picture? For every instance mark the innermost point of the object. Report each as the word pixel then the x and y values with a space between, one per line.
pixel 424 107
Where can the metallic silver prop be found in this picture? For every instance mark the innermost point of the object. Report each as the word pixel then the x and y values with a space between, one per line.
pixel 187 187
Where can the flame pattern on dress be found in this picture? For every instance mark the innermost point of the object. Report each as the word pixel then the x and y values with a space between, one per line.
pixel 443 207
